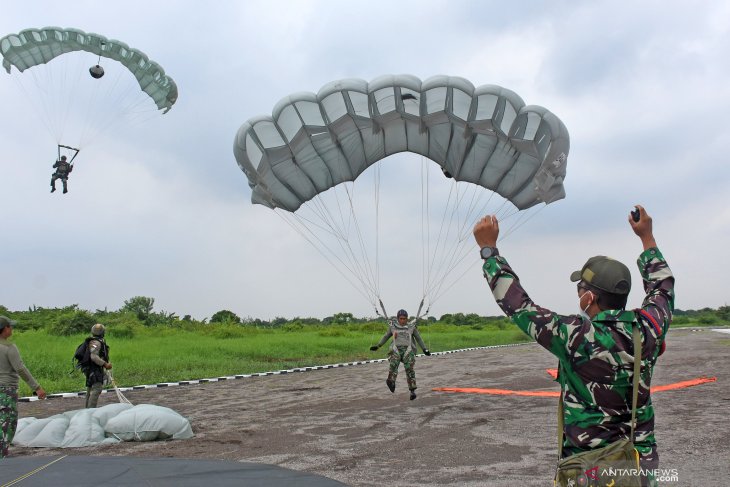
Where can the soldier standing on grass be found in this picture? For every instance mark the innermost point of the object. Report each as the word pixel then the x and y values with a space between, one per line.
pixel 595 347
pixel 11 369
pixel 403 349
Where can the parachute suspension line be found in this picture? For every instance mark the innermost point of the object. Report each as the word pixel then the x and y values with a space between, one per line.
pixel 354 265
pixel 368 270
pixel 117 94
pixel 449 216
pixel 425 228
pixel 42 110
pixel 503 213
pixel 524 217
pixel 120 396
pixel 293 221
pixel 376 196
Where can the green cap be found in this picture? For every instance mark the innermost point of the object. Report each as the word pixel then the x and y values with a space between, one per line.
pixel 606 274
pixel 5 321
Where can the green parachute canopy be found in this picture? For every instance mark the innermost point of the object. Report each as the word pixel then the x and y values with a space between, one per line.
pixel 485 135
pixel 307 161
pixel 33 47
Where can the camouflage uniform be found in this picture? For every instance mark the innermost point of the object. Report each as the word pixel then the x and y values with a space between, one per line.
pixel 11 369
pixel 8 418
pixel 403 350
pixel 95 373
pixel 63 168
pixel 595 356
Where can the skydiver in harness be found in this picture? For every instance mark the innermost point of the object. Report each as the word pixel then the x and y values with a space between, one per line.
pixel 405 335
pixel 63 169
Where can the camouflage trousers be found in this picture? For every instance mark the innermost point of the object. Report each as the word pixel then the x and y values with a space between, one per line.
pixel 403 354
pixel 92 394
pixel 63 178
pixel 8 418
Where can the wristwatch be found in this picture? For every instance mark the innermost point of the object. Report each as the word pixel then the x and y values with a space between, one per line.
pixel 487 252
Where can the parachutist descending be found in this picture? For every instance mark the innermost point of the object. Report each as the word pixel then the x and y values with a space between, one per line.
pixel 405 335
pixel 96 71
pixel 63 169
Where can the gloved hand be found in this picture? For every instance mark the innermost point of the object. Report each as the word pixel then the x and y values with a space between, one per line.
pixel 427 352
pixel 374 347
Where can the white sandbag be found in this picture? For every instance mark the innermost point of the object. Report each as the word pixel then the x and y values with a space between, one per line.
pixel 108 424
pixel 147 422
pixel 86 426
pixel 46 432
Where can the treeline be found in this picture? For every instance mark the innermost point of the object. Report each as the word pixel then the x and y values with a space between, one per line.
pixel 139 311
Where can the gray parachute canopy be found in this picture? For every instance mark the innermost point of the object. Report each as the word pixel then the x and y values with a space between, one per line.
pixel 32 47
pixel 485 135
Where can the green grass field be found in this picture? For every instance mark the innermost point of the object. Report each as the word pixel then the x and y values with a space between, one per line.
pixel 154 355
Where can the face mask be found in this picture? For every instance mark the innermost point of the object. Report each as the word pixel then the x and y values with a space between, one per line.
pixel 583 312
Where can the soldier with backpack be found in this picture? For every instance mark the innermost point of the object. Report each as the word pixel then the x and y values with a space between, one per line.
pixel 93 360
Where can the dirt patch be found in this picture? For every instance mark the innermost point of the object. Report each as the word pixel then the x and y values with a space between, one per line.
pixel 343 423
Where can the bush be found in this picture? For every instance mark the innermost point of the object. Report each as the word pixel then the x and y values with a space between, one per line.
pixel 332 332
pixel 228 330
pixel 73 324
pixel 122 331
pixel 292 327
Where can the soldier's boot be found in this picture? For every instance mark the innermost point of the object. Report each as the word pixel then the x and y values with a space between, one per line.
pixel 413 394
pixel 53 188
pixel 390 382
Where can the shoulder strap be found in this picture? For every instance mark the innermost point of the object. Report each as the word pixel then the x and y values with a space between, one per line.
pixel 636 335
pixel 658 329
pixel 637 375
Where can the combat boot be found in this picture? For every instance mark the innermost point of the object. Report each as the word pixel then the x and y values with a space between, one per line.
pixel 413 395
pixel 390 384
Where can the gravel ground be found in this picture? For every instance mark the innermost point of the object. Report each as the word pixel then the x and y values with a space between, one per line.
pixel 344 424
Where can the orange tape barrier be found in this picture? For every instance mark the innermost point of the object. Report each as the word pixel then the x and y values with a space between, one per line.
pixel 507 392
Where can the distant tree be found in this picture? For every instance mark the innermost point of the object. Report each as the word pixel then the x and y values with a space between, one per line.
pixel 341 318
pixel 278 321
pixel 723 312
pixel 140 306
pixel 225 316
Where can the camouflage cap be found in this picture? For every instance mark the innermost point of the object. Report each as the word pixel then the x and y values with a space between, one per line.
pixel 606 274
pixel 5 321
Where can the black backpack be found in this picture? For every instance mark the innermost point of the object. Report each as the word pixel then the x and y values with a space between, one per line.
pixel 82 356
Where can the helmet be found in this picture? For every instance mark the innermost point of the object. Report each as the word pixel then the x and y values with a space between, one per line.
pixel 402 312
pixel 98 330
pixel 63 158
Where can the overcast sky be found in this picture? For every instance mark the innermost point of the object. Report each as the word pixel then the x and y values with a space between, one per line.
pixel 161 209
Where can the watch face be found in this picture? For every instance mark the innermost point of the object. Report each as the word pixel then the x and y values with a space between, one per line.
pixel 486 252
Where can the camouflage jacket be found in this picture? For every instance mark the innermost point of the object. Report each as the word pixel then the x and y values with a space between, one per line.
pixel 63 168
pixel 596 356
